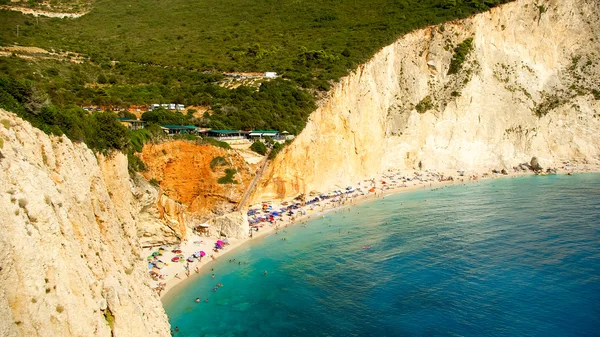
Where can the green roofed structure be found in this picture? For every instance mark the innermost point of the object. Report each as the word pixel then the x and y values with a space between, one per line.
pixel 171 129
pixel 264 133
pixel 227 134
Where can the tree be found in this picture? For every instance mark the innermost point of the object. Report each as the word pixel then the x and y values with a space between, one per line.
pixel 259 147
pixel 106 133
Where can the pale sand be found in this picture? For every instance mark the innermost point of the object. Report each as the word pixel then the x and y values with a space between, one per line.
pixel 320 209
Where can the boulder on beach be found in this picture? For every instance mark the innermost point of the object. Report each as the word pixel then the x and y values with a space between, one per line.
pixel 535 165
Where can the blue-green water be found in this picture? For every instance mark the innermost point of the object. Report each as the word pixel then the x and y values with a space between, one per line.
pixel 510 257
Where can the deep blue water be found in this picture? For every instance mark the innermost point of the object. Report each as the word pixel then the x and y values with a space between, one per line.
pixel 509 257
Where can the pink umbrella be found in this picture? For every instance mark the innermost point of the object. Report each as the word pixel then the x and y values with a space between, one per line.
pixel 202 253
pixel 219 242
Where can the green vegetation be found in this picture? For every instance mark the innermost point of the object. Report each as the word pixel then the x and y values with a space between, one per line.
pixel 276 148
pixel 149 52
pixel 259 147
pixel 548 104
pixel 110 319
pixel 217 161
pixel 142 52
pixel 100 131
pixel 135 163
pixel 154 182
pixel 217 143
pixel 310 42
pixel 228 177
pixel 460 54
pixel 424 105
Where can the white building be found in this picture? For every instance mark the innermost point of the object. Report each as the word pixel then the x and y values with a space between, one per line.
pixel 270 74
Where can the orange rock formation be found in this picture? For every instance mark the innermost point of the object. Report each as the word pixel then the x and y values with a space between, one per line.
pixel 183 170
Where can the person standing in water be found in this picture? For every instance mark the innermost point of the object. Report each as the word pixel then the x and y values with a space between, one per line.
pixel 265 273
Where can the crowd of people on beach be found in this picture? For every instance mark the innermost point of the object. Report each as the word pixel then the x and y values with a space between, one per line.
pixel 164 257
pixel 288 211
pixel 278 215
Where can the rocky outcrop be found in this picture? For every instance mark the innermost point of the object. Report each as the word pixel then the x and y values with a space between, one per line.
pixel 231 225
pixel 189 173
pixel 160 219
pixel 527 87
pixel 71 263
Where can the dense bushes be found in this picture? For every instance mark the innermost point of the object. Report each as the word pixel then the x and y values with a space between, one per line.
pixel 101 131
pixel 163 117
pixel 259 147
pixel 276 104
pixel 311 42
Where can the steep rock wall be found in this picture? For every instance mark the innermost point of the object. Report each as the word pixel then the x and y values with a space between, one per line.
pixel 184 172
pixel 159 218
pixel 71 258
pixel 528 57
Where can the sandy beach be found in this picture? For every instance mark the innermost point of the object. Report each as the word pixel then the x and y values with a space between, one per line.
pixel 387 183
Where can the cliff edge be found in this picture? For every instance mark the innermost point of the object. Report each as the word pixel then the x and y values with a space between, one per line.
pixel 486 92
pixel 71 261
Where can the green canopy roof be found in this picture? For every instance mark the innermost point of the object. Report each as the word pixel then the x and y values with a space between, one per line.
pixel 172 126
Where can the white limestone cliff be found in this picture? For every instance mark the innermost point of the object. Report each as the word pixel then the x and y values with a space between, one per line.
pixel 528 56
pixel 70 257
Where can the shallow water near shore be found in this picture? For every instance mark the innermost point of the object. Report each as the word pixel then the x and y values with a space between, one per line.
pixel 507 257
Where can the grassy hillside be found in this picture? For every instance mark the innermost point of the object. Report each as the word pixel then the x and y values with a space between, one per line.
pixel 149 51
pixel 308 41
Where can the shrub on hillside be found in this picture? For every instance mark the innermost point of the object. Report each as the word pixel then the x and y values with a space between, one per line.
pixel 228 177
pixel 217 161
pixel 259 147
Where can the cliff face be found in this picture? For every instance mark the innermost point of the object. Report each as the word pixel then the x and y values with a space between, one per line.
pixel 529 58
pixel 189 173
pixel 159 219
pixel 71 263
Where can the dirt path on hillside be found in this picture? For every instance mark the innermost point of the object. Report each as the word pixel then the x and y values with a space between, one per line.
pixel 37 12
pixel 32 53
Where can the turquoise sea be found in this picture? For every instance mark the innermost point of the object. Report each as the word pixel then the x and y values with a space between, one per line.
pixel 506 257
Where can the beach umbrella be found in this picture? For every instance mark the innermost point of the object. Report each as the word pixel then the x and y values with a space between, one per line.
pixel 219 242
pixel 159 264
pixel 202 253
pixel 155 253
pixel 150 265
pixel 190 259
pixel 175 259
pixel 225 240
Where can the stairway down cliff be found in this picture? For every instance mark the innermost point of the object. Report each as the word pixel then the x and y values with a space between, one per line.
pixel 70 257
pixel 523 83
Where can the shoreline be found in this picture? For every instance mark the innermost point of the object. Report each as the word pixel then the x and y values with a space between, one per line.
pixel 199 268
